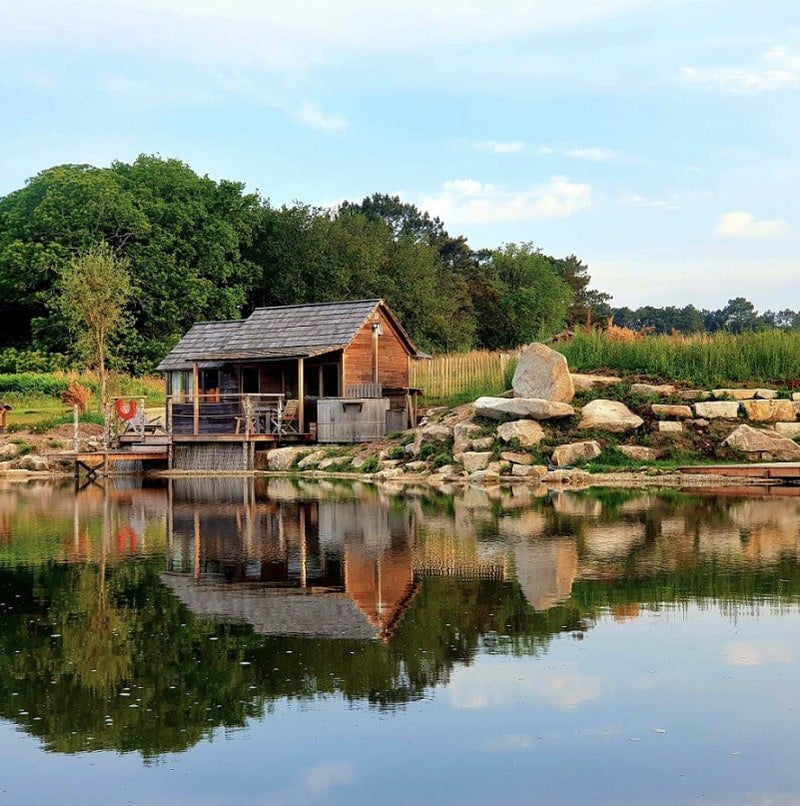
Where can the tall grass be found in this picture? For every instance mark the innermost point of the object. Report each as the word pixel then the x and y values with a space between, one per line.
pixel 461 377
pixel 720 359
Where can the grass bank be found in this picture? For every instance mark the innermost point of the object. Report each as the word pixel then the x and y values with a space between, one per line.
pixel 35 397
pixel 768 358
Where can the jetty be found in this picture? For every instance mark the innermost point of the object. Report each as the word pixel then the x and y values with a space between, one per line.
pixel 776 472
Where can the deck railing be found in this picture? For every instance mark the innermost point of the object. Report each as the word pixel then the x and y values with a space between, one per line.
pixel 223 414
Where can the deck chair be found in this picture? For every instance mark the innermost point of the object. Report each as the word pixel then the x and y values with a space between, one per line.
pixel 288 423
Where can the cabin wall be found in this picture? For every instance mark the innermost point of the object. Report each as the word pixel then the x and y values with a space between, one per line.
pixel 392 356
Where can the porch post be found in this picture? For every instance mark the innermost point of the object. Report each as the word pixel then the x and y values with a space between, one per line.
pixel 301 394
pixel 196 397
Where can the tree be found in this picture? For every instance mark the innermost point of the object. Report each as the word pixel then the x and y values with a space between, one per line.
pixel 522 298
pixel 94 291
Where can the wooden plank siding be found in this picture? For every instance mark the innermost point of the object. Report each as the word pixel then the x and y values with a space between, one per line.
pixel 392 356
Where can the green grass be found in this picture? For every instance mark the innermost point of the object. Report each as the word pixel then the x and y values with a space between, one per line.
pixel 35 398
pixel 710 361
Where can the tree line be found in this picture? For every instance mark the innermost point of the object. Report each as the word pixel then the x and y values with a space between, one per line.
pixel 195 249
pixel 739 315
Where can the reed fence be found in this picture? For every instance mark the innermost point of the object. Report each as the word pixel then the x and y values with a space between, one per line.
pixel 464 375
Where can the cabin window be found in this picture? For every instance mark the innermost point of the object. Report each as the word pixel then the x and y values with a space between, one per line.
pixel 250 385
pixel 330 381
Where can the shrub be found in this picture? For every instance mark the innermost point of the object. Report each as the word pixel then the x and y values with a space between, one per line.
pixel 442 459
pixel 397 452
pixel 370 465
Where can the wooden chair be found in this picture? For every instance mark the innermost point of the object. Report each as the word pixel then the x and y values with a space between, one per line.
pixel 287 423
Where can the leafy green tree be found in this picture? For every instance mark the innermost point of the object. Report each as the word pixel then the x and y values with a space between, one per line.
pixel 523 297
pixel 94 291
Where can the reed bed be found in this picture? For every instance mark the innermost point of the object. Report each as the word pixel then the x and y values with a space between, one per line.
pixel 708 360
pixel 460 377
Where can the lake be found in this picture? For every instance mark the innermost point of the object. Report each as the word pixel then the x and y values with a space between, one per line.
pixel 222 640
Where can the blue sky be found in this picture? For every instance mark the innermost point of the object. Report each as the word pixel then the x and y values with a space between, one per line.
pixel 658 141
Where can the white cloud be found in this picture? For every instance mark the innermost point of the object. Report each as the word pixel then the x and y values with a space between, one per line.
pixel 745 225
pixel 757 653
pixel 497 147
pixel 467 201
pixel 494 685
pixel 593 154
pixel 779 69
pixel 312 116
pixel 322 778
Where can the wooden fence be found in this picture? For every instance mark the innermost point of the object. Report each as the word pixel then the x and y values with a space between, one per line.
pixel 479 372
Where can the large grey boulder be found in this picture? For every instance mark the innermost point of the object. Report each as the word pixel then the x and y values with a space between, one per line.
pixel 543 373
pixel 282 458
pixel 574 452
pixel 791 430
pixel 497 408
pixel 763 444
pixel 608 415
pixel 311 460
pixel 527 432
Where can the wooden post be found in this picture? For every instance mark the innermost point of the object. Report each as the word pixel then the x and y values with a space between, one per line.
pixel 75 421
pixel 170 448
pixel 196 396
pixel 303 559
pixel 301 395
pixel 375 342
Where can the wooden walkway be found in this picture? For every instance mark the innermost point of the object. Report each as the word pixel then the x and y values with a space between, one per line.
pixel 93 461
pixel 772 471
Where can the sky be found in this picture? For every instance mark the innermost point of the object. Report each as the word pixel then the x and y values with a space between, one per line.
pixel 658 141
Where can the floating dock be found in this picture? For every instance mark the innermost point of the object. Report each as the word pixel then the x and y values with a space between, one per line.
pixel 788 472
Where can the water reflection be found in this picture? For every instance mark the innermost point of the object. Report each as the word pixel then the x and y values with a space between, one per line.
pixel 148 618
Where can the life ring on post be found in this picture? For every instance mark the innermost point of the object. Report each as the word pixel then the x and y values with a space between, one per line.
pixel 125 413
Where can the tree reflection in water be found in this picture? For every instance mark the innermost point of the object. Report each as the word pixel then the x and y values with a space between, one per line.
pixel 145 618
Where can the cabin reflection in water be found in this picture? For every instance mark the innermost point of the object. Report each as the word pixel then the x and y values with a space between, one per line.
pixel 333 569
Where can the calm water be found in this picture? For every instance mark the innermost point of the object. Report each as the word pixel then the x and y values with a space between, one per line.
pixel 216 641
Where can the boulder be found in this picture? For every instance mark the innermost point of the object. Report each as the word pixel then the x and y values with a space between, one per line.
pixel 653 390
pixel 332 461
pixel 763 444
pixel 733 394
pixel 463 432
pixel 791 430
pixel 8 451
pixel 282 458
pixel 576 452
pixel 744 394
pixel 692 394
pixel 416 467
pixel 358 463
pixel 796 396
pixel 36 463
pixel 516 457
pixel 769 411
pixel 527 432
pixel 474 460
pixel 481 444
pixel 543 373
pixel 535 472
pixel 608 415
pixel 497 408
pixel 389 473
pixel 717 410
pixel 698 422
pixel 584 383
pixel 639 453
pixel 574 477
pixel 670 427
pixel 434 434
pixel 665 410
pixel 311 460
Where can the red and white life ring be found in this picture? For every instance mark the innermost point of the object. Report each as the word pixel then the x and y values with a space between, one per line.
pixel 125 413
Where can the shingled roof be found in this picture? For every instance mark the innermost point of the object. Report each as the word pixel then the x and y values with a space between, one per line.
pixel 288 331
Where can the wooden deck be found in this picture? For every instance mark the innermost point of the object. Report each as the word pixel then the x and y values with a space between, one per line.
pixel 774 471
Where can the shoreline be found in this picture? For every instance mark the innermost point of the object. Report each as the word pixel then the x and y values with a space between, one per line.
pixel 572 479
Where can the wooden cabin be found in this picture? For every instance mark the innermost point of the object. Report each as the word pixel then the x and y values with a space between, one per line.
pixel 334 372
